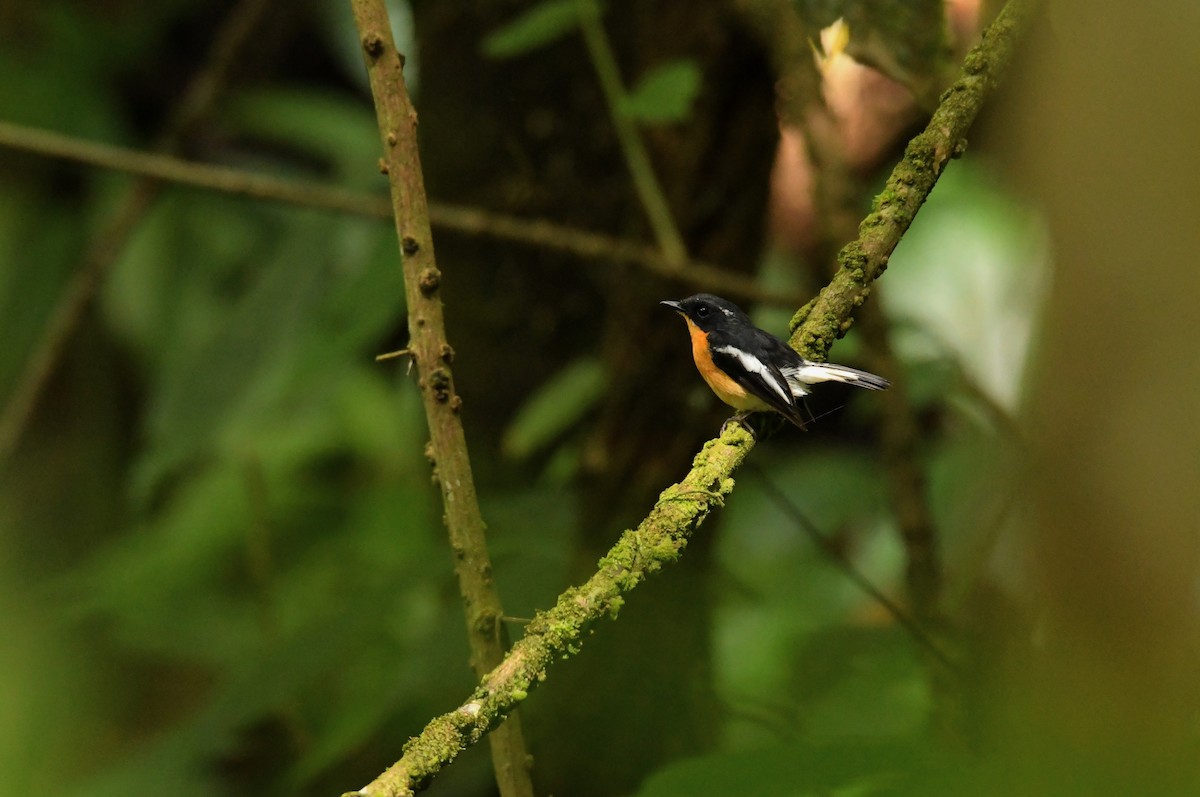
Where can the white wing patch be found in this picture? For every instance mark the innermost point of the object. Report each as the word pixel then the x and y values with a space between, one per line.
pixel 757 366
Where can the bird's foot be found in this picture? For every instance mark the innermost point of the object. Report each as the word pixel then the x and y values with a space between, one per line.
pixel 741 418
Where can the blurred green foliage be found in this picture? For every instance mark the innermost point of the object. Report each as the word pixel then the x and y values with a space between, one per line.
pixel 539 25
pixel 223 566
pixel 278 568
pixel 555 408
pixel 665 93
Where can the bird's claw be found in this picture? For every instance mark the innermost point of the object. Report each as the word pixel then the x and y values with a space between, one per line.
pixel 739 418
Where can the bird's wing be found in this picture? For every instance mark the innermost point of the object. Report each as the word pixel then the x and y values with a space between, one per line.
pixel 760 377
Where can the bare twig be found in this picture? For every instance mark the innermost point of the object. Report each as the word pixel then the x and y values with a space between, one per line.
pixel 64 319
pixel 168 168
pixel 644 180
pixel 906 479
pixel 455 218
pixel 681 508
pixel 595 246
pixel 902 617
pixel 429 349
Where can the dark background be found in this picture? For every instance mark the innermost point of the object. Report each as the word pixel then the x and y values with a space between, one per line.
pixel 222 567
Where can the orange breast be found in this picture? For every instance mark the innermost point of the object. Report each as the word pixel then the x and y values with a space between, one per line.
pixel 721 383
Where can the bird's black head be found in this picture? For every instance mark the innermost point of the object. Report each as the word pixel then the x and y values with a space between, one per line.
pixel 706 311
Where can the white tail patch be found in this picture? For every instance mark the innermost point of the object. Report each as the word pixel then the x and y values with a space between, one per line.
pixel 801 376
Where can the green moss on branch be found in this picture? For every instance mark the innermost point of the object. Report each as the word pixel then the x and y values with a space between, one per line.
pixel 660 538
pixel 820 322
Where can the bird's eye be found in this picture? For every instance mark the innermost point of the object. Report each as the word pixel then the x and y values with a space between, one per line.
pixel 702 311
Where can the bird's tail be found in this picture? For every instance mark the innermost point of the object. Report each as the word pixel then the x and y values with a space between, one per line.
pixel 811 373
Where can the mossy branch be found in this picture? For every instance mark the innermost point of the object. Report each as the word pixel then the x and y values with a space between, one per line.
pixel 559 632
pixel 429 348
pixel 826 318
pixel 661 537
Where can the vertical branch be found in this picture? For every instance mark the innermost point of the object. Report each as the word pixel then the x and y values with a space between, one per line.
pixel 558 632
pixel 644 180
pixel 447 447
pixel 199 98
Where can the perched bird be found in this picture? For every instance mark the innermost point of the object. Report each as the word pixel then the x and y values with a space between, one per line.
pixel 752 370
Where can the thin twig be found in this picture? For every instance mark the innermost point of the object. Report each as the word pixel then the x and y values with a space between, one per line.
pixel 859 579
pixel 644 180
pixel 431 352
pixel 168 168
pixel 455 218
pixel 899 437
pixel 595 246
pixel 660 539
pixel 201 95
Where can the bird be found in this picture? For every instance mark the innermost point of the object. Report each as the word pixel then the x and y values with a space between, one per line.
pixel 752 370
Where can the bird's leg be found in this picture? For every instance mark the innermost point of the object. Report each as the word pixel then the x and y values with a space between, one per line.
pixel 740 418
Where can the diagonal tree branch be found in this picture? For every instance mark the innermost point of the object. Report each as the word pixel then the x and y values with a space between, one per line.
pixel 660 538
pixel 428 347
pixel 454 218
pixel 836 191
pixel 201 95
pixel 826 318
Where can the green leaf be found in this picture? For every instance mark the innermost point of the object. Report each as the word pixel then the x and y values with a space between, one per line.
pixel 243 342
pixel 333 129
pixel 972 275
pixel 540 25
pixel 554 408
pixel 854 767
pixel 665 93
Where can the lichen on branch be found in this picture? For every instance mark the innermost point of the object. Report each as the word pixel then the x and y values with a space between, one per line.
pixel 827 317
pixel 559 632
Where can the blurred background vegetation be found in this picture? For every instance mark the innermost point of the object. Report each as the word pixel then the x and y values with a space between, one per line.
pixel 222 566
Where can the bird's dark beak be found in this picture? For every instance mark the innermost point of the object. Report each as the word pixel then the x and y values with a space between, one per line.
pixel 674 305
